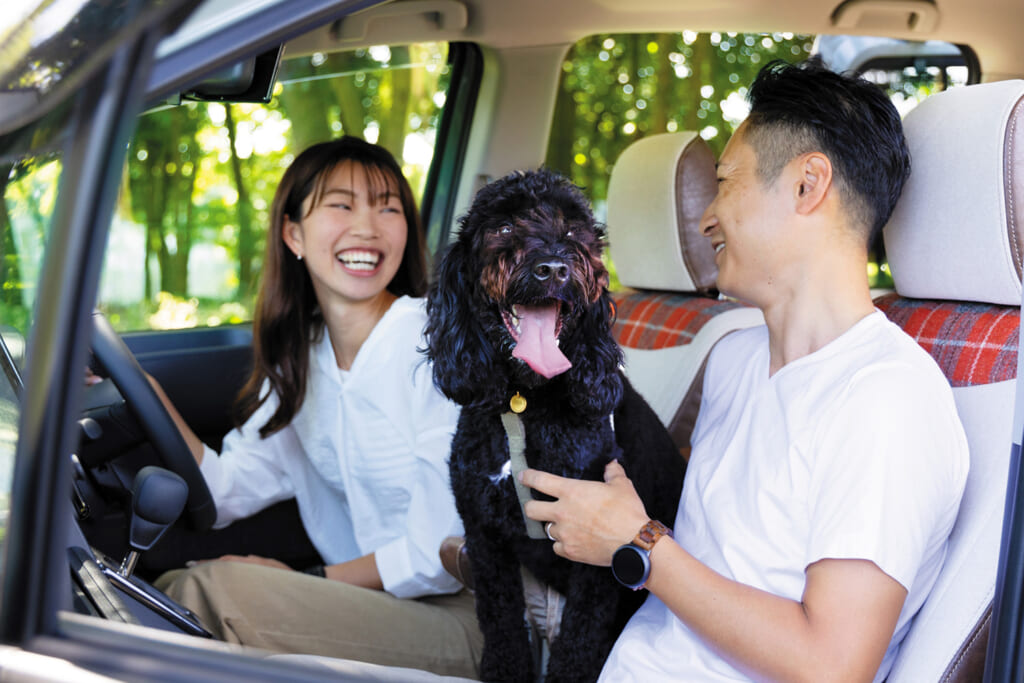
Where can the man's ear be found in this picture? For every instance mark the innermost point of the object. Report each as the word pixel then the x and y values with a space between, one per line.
pixel 812 183
pixel 291 233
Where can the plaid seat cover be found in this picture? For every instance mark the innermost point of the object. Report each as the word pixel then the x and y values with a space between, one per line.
pixel 646 320
pixel 973 343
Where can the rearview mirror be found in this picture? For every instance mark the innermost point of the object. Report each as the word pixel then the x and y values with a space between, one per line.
pixel 251 80
pixel 892 62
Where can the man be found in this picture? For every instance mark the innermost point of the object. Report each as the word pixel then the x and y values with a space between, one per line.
pixel 828 461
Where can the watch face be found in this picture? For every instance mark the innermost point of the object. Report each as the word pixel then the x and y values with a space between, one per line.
pixel 629 565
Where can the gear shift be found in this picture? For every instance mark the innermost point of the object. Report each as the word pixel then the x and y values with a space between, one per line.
pixel 158 497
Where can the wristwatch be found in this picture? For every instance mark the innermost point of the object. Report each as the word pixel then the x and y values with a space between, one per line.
pixel 631 563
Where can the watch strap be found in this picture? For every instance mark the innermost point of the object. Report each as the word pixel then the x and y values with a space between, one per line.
pixel 650 534
pixel 316 570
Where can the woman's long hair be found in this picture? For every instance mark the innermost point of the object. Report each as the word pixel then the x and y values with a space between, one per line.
pixel 287 319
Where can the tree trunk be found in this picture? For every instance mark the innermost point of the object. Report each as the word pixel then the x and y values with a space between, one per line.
pixel 396 116
pixel 308 107
pixel 559 156
pixel 244 206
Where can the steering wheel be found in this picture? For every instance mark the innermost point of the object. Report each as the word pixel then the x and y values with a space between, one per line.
pixel 160 429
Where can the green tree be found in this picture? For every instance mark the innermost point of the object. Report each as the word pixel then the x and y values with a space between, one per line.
pixel 246 246
pixel 10 273
pixel 163 163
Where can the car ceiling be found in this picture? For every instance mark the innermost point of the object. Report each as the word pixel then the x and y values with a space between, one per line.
pixel 990 27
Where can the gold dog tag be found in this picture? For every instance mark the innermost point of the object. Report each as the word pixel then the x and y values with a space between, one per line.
pixel 517 403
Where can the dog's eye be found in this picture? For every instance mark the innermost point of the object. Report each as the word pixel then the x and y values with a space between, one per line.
pixel 569 234
pixel 505 230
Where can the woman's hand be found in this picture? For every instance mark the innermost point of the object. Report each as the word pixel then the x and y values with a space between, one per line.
pixel 590 519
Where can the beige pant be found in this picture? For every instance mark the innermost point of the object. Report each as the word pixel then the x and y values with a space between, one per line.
pixel 286 611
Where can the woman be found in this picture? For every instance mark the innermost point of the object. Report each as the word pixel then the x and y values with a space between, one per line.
pixel 341 413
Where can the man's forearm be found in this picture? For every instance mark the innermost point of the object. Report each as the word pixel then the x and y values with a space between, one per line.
pixel 773 638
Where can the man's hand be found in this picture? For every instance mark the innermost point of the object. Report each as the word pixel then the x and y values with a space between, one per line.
pixel 590 519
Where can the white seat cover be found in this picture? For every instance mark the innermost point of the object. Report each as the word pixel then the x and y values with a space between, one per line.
pixel 956 234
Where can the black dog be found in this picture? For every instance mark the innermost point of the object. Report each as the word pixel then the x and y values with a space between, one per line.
pixel 520 308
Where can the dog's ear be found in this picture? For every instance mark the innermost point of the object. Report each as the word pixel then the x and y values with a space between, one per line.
pixel 457 345
pixel 594 378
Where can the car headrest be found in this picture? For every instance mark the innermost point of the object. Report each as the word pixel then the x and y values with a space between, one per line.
pixel 958 229
pixel 659 188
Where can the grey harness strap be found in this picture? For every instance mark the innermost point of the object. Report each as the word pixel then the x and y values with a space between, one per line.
pixel 517 455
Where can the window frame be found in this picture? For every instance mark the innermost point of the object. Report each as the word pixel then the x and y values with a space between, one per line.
pixel 35 572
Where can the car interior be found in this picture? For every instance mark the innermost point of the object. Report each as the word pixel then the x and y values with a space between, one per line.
pixel 100 482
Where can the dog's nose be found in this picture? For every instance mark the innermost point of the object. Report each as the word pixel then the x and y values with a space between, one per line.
pixel 551 269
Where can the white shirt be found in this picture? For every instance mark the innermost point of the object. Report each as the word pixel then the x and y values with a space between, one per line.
pixel 854 451
pixel 366 458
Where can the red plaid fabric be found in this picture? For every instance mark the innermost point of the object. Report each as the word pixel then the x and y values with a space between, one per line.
pixel 973 343
pixel 658 321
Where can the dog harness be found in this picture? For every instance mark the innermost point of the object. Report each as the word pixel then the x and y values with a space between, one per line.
pixel 517 455
pixel 516 435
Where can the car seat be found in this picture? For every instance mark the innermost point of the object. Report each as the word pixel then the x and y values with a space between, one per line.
pixel 671 316
pixel 955 243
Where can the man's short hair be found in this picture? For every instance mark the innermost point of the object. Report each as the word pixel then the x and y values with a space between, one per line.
pixel 800 108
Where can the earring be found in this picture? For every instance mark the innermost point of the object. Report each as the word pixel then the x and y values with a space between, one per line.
pixel 298 256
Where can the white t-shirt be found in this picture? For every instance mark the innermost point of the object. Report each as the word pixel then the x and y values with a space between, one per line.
pixel 854 451
pixel 366 458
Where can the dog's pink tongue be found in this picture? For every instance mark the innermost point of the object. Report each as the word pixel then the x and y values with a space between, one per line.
pixel 537 345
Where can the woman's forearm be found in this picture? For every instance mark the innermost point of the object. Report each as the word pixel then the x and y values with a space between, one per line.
pixel 361 571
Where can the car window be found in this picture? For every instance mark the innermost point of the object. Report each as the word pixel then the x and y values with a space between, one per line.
pixel 187 240
pixel 30 189
pixel 618 88
pixel 9 414
pixel 31 162
pixel 30 171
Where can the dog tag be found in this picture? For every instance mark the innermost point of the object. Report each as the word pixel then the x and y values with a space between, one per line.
pixel 517 403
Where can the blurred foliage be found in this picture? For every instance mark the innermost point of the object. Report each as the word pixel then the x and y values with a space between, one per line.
pixel 30 192
pixel 175 313
pixel 619 88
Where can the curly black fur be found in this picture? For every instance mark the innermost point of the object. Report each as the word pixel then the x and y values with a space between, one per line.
pixel 517 230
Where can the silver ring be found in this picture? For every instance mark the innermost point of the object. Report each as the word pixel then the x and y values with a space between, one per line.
pixel 547 530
